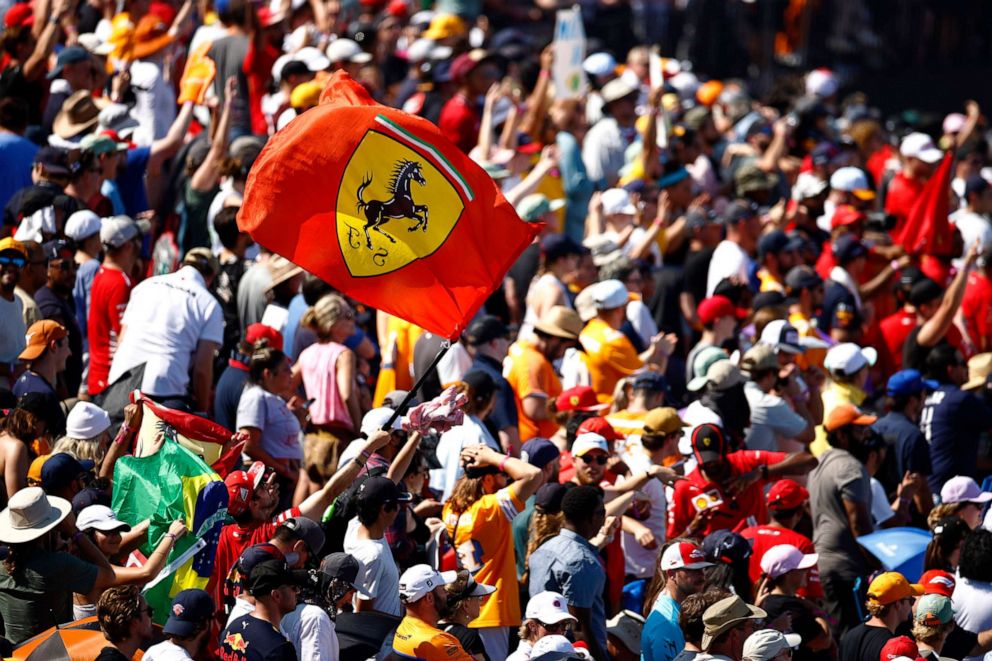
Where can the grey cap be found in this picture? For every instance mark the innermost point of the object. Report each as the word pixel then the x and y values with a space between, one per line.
pixel 115 231
pixel 308 530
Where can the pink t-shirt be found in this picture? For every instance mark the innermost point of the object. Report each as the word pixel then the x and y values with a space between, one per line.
pixel 318 366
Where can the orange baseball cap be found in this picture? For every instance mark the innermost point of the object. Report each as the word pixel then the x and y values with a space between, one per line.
pixel 39 335
pixel 847 414
pixel 34 470
pixel 892 586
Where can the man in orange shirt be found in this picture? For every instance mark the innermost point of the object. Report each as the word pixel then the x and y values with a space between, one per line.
pixel 529 369
pixel 417 636
pixel 610 356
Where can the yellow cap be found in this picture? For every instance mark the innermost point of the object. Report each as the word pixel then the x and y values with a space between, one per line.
pixel 306 94
pixel 34 470
pixel 890 587
pixel 444 26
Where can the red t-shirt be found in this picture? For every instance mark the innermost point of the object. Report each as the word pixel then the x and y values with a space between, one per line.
pixel 763 538
pixel 733 512
pixel 977 310
pixel 258 72
pixel 900 198
pixel 895 329
pixel 108 298
pixel 460 123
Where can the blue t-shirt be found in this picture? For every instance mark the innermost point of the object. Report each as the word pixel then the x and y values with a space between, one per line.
pixel 81 292
pixel 840 309
pixel 951 421
pixel 227 395
pixel 662 639
pixel 16 161
pixel 131 182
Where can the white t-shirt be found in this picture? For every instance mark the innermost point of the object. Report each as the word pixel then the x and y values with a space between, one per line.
pixel 311 630
pixel 972 603
pixel 449 450
pixel 881 510
pixel 379 576
pixel 165 318
pixel 155 103
pixel 166 651
pixel 729 260
pixel 640 317
pixel 974 228
pixel 640 561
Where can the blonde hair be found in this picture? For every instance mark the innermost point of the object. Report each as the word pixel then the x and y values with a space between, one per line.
pixel 81 448
pixel 621 394
pixel 931 634
pixel 542 528
pixel 942 511
pixel 326 312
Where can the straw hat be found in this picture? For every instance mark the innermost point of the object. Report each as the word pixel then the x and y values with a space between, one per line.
pixel 979 368
pixel 282 270
pixel 79 114
pixel 30 514
pixel 560 321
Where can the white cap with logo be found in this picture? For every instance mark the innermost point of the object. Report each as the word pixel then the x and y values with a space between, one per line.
pixel 766 644
pixel 548 607
pixel 418 580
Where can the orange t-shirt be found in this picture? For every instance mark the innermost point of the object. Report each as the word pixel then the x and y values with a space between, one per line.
pixel 484 544
pixel 415 639
pixel 531 375
pixel 609 357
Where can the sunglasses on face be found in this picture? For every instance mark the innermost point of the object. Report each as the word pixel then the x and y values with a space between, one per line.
pixel 600 459
pixel 7 260
pixel 557 627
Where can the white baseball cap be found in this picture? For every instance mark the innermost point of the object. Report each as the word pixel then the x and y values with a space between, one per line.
pixel 552 648
pixel 852 180
pixel 346 50
pixel 82 225
pixel 963 489
pixel 684 555
pixel 99 517
pixel 822 83
pixel 920 145
pixel 418 580
pixel 847 358
pixel 953 123
pixel 86 420
pixel 783 558
pixel 588 442
pixel 766 644
pixel 617 200
pixel 548 607
pixel 313 58
pixel 609 294
pixel 376 418
pixel 599 64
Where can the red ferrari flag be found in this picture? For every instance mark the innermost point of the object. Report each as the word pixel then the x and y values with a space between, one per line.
pixel 380 205
pixel 927 230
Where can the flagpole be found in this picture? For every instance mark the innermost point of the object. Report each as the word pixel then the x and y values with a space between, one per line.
pixel 416 386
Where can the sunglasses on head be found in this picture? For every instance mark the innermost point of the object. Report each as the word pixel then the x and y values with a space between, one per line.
pixel 7 260
pixel 600 459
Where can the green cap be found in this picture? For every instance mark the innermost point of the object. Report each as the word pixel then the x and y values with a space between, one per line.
pixel 101 144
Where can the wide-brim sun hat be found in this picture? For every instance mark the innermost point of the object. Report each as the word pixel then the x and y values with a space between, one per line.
pixel 29 514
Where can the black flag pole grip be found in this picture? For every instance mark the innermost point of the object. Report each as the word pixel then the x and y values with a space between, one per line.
pixel 416 386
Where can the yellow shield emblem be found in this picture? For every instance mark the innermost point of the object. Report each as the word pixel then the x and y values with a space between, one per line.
pixel 393 207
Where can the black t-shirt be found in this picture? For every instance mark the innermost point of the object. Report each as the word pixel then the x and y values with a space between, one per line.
pixel 697 268
pixel 864 643
pixel 803 623
pixel 112 654
pixel 523 271
pixel 913 355
pixel 251 639
pixel 53 306
pixel 469 638
pixel 959 644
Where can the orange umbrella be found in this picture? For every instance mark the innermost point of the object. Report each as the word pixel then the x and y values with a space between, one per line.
pixel 81 640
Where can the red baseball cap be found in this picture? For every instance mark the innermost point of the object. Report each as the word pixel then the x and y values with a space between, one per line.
pixel 19 16
pixel 241 485
pixel 599 426
pixel 579 398
pixel 787 495
pixel 937 581
pixel 899 646
pixel 684 555
pixel 714 307
pixel 256 332
pixel 846 215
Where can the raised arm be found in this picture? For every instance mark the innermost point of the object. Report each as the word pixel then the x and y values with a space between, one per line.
pixel 315 504
pixel 206 175
pixel 936 327
pixel 526 478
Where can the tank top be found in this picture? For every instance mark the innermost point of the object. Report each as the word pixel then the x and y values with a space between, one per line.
pixel 318 364
pixel 530 316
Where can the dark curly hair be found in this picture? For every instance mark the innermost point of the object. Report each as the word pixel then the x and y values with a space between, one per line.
pixel 975 553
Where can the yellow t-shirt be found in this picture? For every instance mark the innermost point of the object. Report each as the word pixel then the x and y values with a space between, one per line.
pixel 609 356
pixel 833 396
pixel 769 282
pixel 415 639
pixel 484 544
pixel 531 375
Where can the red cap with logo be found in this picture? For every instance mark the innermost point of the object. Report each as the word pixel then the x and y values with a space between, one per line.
pixel 19 16
pixel 684 555
pixel 579 398
pixel 599 426
pixel 787 495
pixel 714 307
pixel 241 485
pixel 937 581
pixel 256 332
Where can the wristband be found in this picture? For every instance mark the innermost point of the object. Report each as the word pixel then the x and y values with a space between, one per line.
pixel 503 463
pixel 894 265
pixel 171 536
pixel 544 74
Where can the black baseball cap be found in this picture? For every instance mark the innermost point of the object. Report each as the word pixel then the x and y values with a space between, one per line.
pixel 768 299
pixel 89 496
pixel 344 567
pixel 925 290
pixel 378 490
pixel 190 608
pixel 486 329
pixel 802 277
pixel 269 575
pixel 708 443
pixel 548 498
pixel 308 530
pixel 55 160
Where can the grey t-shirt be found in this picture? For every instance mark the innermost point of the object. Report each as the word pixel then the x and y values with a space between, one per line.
pixel 267 412
pixel 838 477
pixel 771 420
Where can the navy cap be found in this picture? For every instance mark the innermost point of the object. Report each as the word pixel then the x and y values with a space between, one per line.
pixel 777 241
pixel 345 568
pixel 976 184
pixel 802 277
pixel 650 381
pixel 727 547
pixel 257 553
pixel 89 496
pixel 190 609
pixel 60 470
pixel 739 210
pixel 549 496
pixel 55 160
pixel 69 55
pixel 824 153
pixel 908 382
pixel 379 490
pixel 556 246
pixel 847 248
pixel 269 575
pixel 539 452
pixel 486 329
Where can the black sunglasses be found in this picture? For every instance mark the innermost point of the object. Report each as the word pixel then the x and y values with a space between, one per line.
pixel 6 260
pixel 600 459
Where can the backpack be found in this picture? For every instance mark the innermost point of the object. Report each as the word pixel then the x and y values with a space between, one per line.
pixel 344 509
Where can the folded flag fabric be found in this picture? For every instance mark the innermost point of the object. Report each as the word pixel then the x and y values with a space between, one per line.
pixel 440 414
pixel 382 206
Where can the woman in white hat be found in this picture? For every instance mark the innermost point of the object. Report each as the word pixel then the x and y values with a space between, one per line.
pixel 37 578
pixel 101 525
pixel 87 433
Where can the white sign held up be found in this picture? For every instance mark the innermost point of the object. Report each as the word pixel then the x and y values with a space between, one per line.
pixel 570 51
